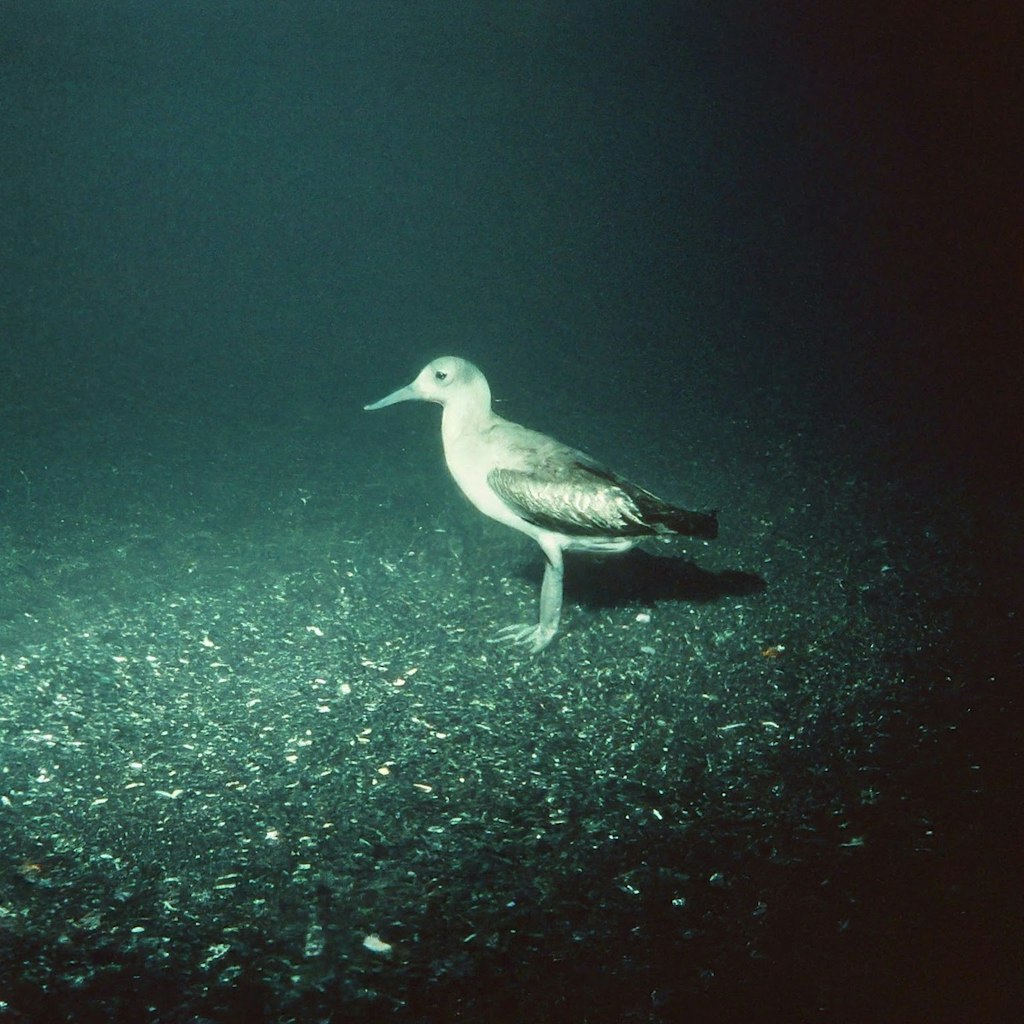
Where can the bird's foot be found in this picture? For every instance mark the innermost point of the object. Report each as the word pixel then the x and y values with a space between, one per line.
pixel 535 638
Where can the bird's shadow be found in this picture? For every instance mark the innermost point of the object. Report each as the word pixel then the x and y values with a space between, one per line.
pixel 638 577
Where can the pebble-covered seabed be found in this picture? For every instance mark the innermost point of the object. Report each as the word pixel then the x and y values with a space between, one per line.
pixel 261 763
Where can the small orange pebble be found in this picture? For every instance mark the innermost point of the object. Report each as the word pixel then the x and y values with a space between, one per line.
pixel 774 651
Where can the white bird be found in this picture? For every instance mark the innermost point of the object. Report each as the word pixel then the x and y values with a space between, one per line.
pixel 562 498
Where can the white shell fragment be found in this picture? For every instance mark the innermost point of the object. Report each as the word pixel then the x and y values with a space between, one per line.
pixel 375 944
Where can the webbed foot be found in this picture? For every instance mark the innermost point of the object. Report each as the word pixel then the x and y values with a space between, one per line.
pixel 535 638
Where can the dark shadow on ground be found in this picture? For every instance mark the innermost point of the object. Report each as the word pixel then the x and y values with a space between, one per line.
pixel 638 577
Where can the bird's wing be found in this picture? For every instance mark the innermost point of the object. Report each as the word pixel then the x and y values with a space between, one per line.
pixel 571 494
pixel 564 490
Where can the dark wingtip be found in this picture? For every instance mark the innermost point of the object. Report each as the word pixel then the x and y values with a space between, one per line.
pixel 702 525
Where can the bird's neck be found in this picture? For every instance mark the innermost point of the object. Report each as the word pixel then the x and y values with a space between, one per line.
pixel 470 413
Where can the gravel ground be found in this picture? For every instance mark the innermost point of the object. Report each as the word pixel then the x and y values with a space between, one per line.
pixel 261 762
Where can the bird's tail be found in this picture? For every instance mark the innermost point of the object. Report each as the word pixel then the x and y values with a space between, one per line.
pixel 666 518
pixel 703 525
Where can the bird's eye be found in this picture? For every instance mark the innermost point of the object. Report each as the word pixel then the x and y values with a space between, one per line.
pixel 440 375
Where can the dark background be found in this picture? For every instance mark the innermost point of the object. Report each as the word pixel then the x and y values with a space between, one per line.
pixel 214 201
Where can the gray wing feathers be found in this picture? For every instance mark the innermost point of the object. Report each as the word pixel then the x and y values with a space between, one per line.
pixel 576 500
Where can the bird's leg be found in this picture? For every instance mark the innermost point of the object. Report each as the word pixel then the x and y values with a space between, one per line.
pixel 550 600
pixel 539 636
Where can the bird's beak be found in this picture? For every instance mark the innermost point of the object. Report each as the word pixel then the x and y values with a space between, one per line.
pixel 406 394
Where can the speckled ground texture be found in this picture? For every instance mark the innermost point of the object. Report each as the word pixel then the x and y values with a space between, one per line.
pixel 253 726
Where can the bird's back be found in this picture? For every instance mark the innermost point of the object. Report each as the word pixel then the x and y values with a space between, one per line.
pixel 564 490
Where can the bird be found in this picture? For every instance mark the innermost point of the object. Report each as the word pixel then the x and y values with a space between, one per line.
pixel 559 496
